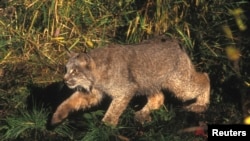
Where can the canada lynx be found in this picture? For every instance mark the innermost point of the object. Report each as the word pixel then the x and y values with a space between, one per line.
pixel 123 71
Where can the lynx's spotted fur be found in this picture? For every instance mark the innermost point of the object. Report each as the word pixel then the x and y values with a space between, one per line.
pixel 123 71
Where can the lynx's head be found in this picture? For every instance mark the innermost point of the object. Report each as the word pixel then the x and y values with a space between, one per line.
pixel 79 71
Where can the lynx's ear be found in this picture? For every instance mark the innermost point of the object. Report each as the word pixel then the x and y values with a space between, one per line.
pixel 71 53
pixel 91 63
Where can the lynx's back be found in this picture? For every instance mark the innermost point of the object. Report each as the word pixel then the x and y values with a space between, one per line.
pixel 147 65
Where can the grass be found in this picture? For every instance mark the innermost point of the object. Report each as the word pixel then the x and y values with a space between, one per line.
pixel 31 126
pixel 34 37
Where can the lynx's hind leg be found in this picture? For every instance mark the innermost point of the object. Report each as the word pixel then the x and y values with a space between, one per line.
pixel 76 101
pixel 202 83
pixel 155 101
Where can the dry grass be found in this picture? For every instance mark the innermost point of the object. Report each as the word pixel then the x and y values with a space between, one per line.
pixel 34 37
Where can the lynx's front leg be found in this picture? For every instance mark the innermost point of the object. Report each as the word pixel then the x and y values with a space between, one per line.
pixel 116 108
pixel 76 101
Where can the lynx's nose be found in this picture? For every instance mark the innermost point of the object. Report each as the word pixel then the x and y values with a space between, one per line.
pixel 65 78
pixel 67 81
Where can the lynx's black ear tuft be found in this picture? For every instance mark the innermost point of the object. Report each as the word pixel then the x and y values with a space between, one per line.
pixel 72 54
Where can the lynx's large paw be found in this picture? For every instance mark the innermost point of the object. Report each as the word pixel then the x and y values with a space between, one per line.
pixel 110 121
pixel 57 118
pixel 196 108
pixel 142 117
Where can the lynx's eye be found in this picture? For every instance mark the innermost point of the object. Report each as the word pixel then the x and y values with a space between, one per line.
pixel 73 71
